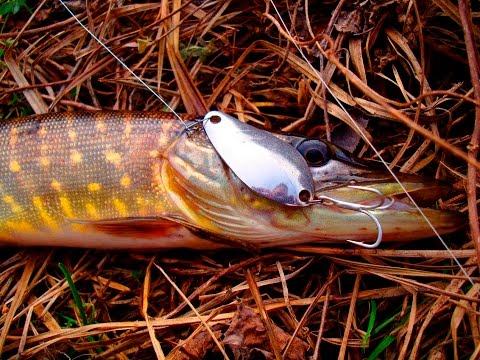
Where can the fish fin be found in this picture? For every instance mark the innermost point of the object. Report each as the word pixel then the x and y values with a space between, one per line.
pixel 214 237
pixel 224 240
pixel 149 227
pixel 145 227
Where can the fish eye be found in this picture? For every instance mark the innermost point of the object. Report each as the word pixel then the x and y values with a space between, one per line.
pixel 315 152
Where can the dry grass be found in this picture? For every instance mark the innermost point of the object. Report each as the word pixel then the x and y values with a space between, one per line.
pixel 403 65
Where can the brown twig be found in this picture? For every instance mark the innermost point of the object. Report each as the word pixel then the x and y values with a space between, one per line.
pixel 252 283
pixel 464 7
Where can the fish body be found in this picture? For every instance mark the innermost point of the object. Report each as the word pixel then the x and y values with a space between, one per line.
pixel 137 180
pixel 59 171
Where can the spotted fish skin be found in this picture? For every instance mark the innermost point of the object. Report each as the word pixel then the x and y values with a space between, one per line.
pixel 58 170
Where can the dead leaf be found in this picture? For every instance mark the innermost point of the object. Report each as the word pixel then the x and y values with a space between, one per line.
pixel 438 353
pixel 296 351
pixel 195 347
pixel 346 137
pixel 247 337
pixel 350 22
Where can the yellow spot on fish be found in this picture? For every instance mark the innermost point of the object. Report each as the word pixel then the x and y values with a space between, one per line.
pixel 125 181
pixel 163 140
pixel 43 131
pixel 56 185
pixel 113 157
pixel 280 218
pixel 20 226
pixel 156 177
pixel 188 169
pixel 252 201
pixel 42 211
pixel 66 207
pixel 76 157
pixel 128 129
pixel 91 210
pixel 44 161
pixel 14 206
pixel 154 153
pixel 94 187
pixel 121 207
pixel 141 203
pixel 8 199
pixel 72 135
pixel 15 166
pixel 13 136
pixel 100 125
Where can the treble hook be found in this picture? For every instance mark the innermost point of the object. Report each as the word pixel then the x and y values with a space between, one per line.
pixel 379 231
pixel 381 205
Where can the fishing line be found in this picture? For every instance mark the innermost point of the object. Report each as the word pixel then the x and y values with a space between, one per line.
pixel 365 138
pixel 123 64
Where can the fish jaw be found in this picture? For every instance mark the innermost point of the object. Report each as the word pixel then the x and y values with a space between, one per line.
pixel 385 200
pixel 212 198
pixel 343 177
pixel 401 221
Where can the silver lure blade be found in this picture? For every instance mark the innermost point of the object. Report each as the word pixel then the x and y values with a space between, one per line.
pixel 267 165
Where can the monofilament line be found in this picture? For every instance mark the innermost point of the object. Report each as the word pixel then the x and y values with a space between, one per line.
pixel 360 130
pixel 123 64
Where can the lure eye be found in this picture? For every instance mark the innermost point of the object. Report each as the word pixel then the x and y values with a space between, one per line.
pixel 315 152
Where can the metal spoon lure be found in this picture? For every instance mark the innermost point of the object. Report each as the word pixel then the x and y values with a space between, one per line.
pixel 267 165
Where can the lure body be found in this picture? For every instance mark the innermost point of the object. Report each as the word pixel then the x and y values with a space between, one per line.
pixel 137 180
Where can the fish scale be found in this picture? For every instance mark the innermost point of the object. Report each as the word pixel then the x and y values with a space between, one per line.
pixel 87 166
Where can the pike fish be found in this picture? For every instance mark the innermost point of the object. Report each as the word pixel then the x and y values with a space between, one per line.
pixel 137 180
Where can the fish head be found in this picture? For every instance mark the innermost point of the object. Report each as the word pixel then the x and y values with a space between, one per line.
pixel 344 181
pixel 212 197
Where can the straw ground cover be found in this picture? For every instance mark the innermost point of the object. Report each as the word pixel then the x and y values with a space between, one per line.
pixel 404 69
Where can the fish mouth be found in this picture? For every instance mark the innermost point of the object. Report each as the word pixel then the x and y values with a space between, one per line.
pixel 368 190
pixel 400 218
pixel 350 183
